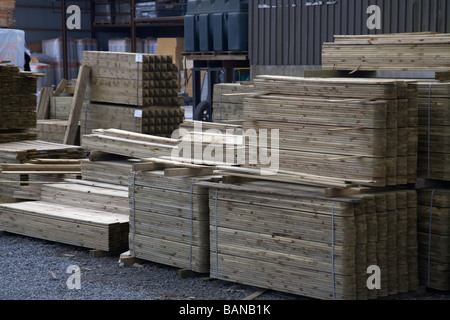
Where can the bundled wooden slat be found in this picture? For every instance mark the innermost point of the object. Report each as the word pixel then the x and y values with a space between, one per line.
pixel 160 121
pixel 338 127
pixel 66 224
pixel 169 220
pixel 434 130
pixel 17 104
pixel 434 239
pixel 133 79
pixel 404 52
pixel 228 101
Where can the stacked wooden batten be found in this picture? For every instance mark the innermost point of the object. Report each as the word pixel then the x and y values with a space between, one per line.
pixel 169 219
pixel 411 52
pixel 228 102
pixel 134 92
pixel 17 104
pixel 351 138
pixel 292 238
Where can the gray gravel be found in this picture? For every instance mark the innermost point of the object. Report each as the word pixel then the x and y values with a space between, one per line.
pixel 34 269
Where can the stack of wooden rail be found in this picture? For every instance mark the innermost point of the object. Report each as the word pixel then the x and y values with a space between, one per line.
pixel 17 104
pixel 415 51
pixel 169 218
pixel 134 92
pixel 209 143
pixel 90 216
pixel 355 129
pixel 228 102
pixel 294 239
pixel 434 130
pixel 28 151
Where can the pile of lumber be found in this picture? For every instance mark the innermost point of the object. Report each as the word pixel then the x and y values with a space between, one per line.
pixel 169 219
pixel 434 130
pixel 209 143
pixel 434 240
pixel 160 121
pixel 291 238
pixel 133 79
pixel 228 102
pixel 43 154
pixel 89 228
pixel 17 104
pixel 113 171
pixel 53 130
pixel 128 144
pixel 7 14
pixel 355 129
pixel 403 52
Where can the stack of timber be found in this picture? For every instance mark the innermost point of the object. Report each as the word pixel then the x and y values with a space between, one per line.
pixel 294 239
pixel 228 101
pixel 133 79
pixel 24 152
pixel 113 171
pixel 88 195
pixel 17 104
pixel 209 143
pixel 434 238
pixel 63 223
pixel 169 218
pixel 128 144
pixel 338 127
pixel 160 121
pixel 53 130
pixel 402 52
pixel 434 130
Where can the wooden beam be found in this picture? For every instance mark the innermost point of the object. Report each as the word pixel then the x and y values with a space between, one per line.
pixel 77 103
pixel 61 87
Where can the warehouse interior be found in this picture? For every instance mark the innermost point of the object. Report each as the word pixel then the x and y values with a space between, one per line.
pixel 294 146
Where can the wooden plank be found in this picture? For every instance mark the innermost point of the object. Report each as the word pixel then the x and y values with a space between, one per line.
pixel 77 104
pixel 61 87
pixel 44 102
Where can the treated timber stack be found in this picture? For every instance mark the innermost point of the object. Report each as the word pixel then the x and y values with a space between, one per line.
pixel 434 237
pixel 132 79
pixel 160 121
pixel 17 104
pixel 397 52
pixel 169 219
pixel 294 239
pixel 66 224
pixel 26 151
pixel 209 143
pixel 135 92
pixel 228 102
pixel 434 130
pixel 128 144
pixel 348 138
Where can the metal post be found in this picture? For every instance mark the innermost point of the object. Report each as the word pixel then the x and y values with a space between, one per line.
pixel 133 26
pixel 64 38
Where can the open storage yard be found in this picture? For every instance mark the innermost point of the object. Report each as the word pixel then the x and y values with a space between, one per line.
pixel 289 181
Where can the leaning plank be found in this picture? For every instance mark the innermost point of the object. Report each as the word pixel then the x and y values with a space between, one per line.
pixel 77 103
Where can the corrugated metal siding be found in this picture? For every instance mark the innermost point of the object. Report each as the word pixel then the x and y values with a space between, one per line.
pixel 291 32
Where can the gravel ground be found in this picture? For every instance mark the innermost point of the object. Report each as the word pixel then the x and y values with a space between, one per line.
pixel 34 269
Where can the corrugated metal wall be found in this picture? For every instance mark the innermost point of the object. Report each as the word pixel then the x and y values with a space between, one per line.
pixel 291 32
